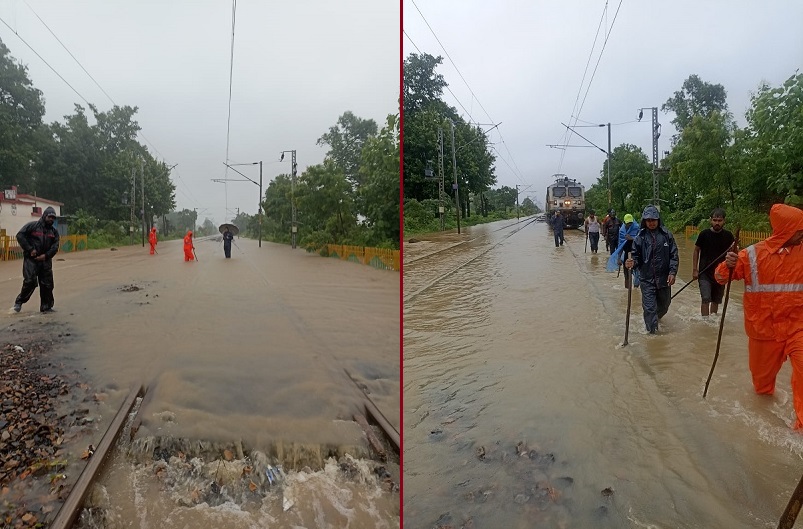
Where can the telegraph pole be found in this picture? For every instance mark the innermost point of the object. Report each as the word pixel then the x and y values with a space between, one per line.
pixel 294 228
pixel 133 204
pixel 142 181
pixel 441 179
pixel 517 202
pixel 609 166
pixel 454 168
pixel 260 203
pixel 656 133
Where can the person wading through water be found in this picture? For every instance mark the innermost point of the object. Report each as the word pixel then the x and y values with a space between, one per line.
pixel 610 229
pixel 188 246
pixel 772 271
pixel 153 240
pixel 593 227
pixel 624 246
pixel 655 258
pixel 709 251
pixel 227 237
pixel 557 228
pixel 39 241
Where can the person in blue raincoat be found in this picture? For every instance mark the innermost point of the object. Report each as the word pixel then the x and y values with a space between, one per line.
pixel 655 257
pixel 627 233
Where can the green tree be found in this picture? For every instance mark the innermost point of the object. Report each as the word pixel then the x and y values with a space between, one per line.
pixel 774 138
pixel 422 85
pixel 278 210
pixel 346 140
pixel 21 112
pixel 380 190
pixel 325 201
pixel 696 98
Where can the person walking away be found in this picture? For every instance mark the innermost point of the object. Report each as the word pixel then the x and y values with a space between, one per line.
pixel 611 228
pixel 772 271
pixel 227 237
pixel 188 246
pixel 152 239
pixel 655 258
pixel 593 227
pixel 604 234
pixel 39 241
pixel 627 232
pixel 557 228
pixel 709 251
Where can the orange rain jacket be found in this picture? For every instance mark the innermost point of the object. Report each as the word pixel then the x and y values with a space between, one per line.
pixel 152 239
pixel 188 246
pixel 773 279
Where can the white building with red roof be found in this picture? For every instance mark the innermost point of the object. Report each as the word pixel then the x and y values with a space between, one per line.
pixel 18 209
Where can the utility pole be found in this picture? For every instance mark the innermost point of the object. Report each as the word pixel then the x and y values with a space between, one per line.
pixel 441 183
pixel 609 165
pixel 294 227
pixel 260 203
pixel 656 133
pixel 142 181
pixel 517 202
pixel 454 168
pixel 133 204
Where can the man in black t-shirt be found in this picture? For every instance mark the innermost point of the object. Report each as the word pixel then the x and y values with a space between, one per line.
pixel 709 251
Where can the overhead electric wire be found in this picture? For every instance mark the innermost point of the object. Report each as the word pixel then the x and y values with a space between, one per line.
pixel 516 172
pixel 46 63
pixel 139 132
pixel 567 133
pixel 228 120
pixel 588 87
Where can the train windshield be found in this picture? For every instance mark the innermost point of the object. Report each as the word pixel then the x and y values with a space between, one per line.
pixel 575 192
pixel 558 192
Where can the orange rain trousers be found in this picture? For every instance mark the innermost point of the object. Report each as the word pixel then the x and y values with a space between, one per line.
pixel 188 252
pixel 766 359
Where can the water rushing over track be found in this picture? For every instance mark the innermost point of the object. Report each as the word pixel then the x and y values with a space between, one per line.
pixel 522 409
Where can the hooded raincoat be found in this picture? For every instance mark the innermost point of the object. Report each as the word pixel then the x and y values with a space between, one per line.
pixel 153 240
pixel 39 241
pixel 188 247
pixel 655 258
pixel 773 303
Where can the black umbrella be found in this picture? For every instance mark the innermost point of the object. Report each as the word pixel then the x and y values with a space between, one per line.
pixel 232 228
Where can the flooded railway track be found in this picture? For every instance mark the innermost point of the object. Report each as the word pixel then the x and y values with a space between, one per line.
pixel 422 273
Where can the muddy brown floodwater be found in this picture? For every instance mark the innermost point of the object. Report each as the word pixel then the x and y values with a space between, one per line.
pixel 246 362
pixel 522 408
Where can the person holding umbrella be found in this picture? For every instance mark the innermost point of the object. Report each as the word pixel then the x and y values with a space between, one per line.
pixel 227 237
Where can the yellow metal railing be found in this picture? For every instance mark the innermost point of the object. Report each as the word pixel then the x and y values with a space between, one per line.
pixel 746 237
pixel 383 258
pixel 10 249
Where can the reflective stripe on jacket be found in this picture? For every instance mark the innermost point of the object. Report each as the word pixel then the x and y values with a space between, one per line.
pixel 773 279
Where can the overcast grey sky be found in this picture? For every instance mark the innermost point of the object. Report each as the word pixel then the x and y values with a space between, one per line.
pixel 524 62
pixel 298 65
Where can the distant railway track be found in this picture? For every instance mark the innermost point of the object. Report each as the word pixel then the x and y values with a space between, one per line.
pixel 476 252
pixel 411 262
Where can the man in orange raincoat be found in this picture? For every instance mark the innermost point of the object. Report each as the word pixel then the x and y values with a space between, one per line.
pixel 188 246
pixel 773 302
pixel 153 240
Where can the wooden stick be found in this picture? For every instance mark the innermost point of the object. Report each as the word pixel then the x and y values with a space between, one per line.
pixel 629 298
pixel 734 246
pixel 793 508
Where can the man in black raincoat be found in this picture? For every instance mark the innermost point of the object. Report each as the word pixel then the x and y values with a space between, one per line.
pixel 227 237
pixel 39 241
pixel 655 256
pixel 557 228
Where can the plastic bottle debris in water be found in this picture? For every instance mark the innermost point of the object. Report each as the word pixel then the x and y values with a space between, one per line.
pixel 269 476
